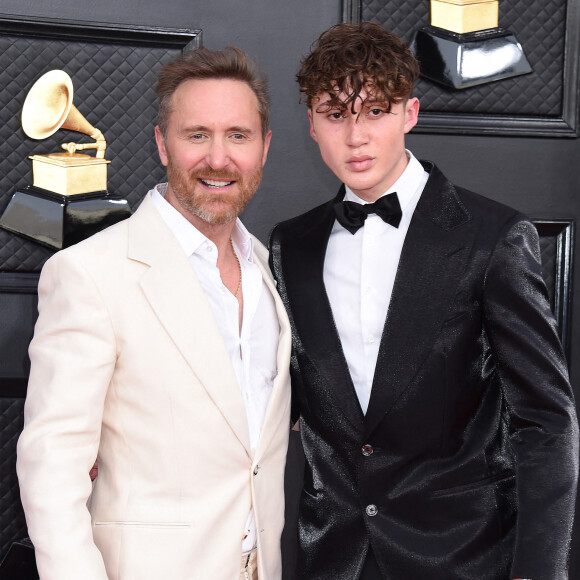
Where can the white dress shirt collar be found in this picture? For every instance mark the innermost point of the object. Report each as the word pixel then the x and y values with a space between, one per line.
pixel 406 186
pixel 188 236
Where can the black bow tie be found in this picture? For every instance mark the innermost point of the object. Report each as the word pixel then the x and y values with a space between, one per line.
pixel 352 215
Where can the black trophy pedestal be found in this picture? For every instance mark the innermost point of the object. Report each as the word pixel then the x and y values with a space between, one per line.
pixel 58 221
pixel 19 562
pixel 466 60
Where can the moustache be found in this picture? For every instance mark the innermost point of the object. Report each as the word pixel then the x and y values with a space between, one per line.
pixel 215 174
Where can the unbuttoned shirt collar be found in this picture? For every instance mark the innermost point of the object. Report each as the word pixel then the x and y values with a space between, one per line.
pixel 189 237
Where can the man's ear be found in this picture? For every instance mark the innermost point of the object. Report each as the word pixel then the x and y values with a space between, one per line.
pixel 312 130
pixel 411 113
pixel 161 145
pixel 267 140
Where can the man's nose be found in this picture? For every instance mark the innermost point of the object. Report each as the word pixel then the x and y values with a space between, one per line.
pixel 356 132
pixel 217 155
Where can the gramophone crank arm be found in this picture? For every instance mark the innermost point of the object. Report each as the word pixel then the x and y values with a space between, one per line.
pixel 72 147
pixel 100 145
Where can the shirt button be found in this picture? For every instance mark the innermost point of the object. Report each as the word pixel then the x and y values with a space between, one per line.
pixel 372 510
pixel 209 248
pixel 370 338
pixel 367 450
pixel 256 469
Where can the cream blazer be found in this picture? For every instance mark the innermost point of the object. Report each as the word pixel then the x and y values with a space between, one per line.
pixel 128 365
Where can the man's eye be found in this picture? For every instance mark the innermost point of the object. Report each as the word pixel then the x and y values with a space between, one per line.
pixel 336 115
pixel 238 137
pixel 197 136
pixel 375 112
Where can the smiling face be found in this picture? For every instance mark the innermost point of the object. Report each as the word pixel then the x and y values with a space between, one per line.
pixel 213 150
pixel 364 147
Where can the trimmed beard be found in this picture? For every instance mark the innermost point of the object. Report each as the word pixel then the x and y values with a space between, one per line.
pixel 219 209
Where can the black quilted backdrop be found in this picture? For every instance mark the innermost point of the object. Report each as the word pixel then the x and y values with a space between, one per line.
pixel 114 90
pixel 539 26
pixel 12 523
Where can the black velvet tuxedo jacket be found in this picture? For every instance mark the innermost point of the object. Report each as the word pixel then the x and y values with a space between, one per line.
pixel 465 464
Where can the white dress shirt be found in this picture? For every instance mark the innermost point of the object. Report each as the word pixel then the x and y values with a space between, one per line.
pixel 359 274
pixel 253 349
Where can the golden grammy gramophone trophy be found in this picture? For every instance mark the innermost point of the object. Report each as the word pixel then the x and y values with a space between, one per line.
pixel 68 200
pixel 464 45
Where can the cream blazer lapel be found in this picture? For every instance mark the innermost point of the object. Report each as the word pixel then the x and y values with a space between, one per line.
pixel 278 405
pixel 175 294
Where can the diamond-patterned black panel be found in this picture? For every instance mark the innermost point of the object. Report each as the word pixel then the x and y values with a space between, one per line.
pixel 539 26
pixel 548 250
pixel 12 523
pixel 114 89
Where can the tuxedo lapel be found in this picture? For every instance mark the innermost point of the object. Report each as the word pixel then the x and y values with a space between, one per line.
pixel 434 255
pixel 175 294
pixel 302 265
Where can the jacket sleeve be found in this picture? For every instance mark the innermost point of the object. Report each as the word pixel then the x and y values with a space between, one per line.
pixel 543 424
pixel 72 360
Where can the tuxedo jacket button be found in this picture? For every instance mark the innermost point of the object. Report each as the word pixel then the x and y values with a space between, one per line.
pixel 367 450
pixel 372 510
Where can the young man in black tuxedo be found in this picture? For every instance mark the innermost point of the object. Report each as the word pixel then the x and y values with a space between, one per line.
pixel 436 415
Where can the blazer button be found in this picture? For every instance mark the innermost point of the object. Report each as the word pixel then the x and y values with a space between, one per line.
pixel 256 469
pixel 367 450
pixel 372 510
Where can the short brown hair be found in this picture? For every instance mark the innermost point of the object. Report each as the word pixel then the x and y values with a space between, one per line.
pixel 202 64
pixel 348 58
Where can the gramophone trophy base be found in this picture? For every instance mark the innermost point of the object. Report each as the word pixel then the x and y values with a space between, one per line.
pixel 19 562
pixel 59 221
pixel 69 174
pixel 463 16
pixel 460 61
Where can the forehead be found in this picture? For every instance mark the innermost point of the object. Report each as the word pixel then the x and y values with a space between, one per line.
pixel 202 101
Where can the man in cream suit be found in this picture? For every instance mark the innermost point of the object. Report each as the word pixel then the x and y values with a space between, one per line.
pixel 162 349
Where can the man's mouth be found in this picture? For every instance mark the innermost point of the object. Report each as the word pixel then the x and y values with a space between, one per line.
pixel 215 183
pixel 360 162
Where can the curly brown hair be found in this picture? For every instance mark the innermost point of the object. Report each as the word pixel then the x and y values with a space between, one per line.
pixel 348 58
pixel 202 63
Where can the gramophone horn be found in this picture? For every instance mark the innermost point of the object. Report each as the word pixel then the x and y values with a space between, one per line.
pixel 48 107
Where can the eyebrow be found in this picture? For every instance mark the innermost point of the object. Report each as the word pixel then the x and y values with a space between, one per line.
pixel 240 129
pixel 192 128
pixel 201 128
pixel 328 105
